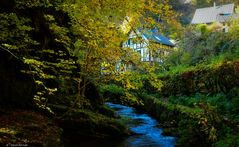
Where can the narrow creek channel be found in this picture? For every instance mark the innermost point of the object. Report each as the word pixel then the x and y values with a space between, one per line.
pixel 149 134
pixel 145 128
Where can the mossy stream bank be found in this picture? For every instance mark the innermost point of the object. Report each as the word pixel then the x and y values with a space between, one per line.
pixel 26 127
pixel 199 126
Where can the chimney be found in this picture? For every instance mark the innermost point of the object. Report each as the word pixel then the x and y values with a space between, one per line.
pixel 214 4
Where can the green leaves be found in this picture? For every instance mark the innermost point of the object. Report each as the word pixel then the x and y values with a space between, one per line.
pixel 61 40
pixel 23 4
pixel 14 31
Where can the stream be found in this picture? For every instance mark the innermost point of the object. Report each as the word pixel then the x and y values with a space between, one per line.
pixel 150 134
pixel 147 134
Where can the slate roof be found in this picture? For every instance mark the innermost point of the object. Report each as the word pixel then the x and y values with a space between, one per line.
pixel 155 36
pixel 213 14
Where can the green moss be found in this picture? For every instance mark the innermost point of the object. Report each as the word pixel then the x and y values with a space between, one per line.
pixel 88 123
pixel 105 110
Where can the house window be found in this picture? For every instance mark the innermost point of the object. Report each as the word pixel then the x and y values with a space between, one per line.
pixel 139 51
pixel 225 29
pixel 130 41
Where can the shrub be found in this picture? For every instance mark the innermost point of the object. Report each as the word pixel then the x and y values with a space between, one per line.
pixel 111 91
pixel 116 94
pixel 230 140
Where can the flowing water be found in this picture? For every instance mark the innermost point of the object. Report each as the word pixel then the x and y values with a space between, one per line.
pixel 145 128
pixel 149 134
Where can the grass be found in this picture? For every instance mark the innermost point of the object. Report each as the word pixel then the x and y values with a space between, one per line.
pixel 210 63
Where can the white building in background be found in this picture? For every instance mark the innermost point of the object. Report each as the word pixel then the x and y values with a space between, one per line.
pixel 219 14
pixel 142 46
